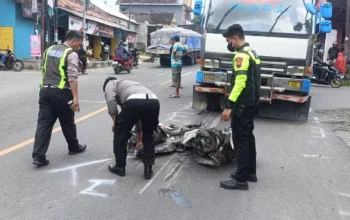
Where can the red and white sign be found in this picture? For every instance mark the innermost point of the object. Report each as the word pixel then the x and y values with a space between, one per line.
pixel 76 23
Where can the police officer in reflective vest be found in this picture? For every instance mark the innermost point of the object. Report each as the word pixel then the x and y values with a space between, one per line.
pixel 242 104
pixel 58 87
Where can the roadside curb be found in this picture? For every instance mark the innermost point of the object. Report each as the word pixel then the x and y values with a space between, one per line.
pixel 36 64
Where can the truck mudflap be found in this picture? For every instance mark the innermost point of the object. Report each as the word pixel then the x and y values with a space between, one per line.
pixel 208 98
pixel 286 107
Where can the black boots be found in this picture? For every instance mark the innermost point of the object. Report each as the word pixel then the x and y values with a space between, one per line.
pixel 233 184
pixel 41 162
pixel 76 149
pixel 148 172
pixel 116 170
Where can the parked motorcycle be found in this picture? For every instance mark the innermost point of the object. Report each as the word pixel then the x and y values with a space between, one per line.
pixel 333 76
pixel 119 64
pixel 12 63
pixel 105 52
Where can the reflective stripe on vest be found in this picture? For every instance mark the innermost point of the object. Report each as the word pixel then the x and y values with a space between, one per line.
pixel 63 74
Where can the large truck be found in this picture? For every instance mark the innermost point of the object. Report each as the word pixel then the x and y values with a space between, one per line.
pixel 160 45
pixel 282 32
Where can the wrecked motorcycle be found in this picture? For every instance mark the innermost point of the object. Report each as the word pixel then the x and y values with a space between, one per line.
pixel 208 146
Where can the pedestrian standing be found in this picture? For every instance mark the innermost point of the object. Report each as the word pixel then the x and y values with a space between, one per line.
pixel 176 65
pixel 58 87
pixel 139 106
pixel 242 104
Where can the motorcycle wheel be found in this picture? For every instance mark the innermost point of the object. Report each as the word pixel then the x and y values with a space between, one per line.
pixel 336 82
pixel 18 66
pixel 117 70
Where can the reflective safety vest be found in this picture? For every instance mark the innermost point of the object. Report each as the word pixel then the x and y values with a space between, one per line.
pixel 246 77
pixel 55 67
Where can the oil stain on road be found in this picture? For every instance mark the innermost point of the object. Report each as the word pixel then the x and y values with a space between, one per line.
pixel 176 197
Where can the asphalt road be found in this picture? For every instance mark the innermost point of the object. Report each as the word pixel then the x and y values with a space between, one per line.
pixel 302 167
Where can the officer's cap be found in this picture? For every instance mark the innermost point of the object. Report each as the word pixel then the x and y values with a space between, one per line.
pixel 233 29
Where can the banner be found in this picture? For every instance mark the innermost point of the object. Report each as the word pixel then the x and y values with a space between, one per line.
pixel 76 23
pixel 35 46
pixel 92 28
pixel 131 38
pixel 106 31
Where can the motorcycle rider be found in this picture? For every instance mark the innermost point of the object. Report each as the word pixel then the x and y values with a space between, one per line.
pixel 320 68
pixel 333 53
pixel 133 50
pixel 2 59
pixel 121 52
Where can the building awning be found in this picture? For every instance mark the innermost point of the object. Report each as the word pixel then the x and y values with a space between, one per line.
pixel 88 17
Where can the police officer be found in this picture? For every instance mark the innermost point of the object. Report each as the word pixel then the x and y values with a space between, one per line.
pixel 138 104
pixel 58 87
pixel 242 104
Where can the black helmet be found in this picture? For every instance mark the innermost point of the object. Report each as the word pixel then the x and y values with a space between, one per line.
pixel 320 52
pixel 335 44
pixel 121 43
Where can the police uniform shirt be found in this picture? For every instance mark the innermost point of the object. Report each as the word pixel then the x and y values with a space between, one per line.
pixel 118 91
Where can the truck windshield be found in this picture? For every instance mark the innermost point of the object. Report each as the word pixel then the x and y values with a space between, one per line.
pixel 276 16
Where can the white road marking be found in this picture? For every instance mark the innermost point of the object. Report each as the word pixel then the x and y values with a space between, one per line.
pixel 320 131
pixel 73 169
pixel 90 190
pixel 343 194
pixel 168 81
pixel 315 156
pixel 344 213
pixel 155 176
pixel 186 74
pixel 176 174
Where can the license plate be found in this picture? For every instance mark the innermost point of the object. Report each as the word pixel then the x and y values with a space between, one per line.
pixel 294 84
pixel 209 76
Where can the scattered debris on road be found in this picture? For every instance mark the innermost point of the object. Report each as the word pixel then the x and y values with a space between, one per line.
pixel 208 146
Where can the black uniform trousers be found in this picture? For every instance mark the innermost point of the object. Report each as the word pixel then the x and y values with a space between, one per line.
pixel 244 142
pixel 53 104
pixel 134 110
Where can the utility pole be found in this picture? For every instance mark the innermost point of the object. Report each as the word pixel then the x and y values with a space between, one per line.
pixel 347 29
pixel 129 15
pixel 43 9
pixel 86 6
pixel 56 22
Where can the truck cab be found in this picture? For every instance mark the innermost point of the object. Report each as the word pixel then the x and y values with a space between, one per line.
pixel 281 32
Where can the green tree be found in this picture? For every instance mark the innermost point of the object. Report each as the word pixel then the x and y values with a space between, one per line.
pixel 196 19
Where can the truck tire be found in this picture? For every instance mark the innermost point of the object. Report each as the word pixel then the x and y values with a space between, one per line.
pixel 162 62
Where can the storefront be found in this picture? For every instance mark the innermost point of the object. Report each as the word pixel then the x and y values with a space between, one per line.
pixel 17 26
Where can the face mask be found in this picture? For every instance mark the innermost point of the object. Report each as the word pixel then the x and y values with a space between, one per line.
pixel 230 47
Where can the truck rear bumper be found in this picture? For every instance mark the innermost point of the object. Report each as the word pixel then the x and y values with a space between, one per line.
pixel 276 96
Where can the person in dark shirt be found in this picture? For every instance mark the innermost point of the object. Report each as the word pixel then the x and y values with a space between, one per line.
pixel 333 52
pixel 120 51
pixel 82 58
pixel 319 59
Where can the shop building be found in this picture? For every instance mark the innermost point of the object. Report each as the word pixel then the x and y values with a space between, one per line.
pixel 103 23
pixel 16 26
